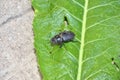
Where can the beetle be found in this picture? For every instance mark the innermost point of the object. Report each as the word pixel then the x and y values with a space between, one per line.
pixel 63 37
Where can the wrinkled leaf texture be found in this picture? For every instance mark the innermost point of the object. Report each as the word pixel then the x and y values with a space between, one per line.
pixel 96 24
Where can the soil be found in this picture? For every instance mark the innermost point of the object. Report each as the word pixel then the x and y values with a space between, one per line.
pixel 17 57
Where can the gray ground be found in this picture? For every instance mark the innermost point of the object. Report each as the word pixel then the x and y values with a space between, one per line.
pixel 17 58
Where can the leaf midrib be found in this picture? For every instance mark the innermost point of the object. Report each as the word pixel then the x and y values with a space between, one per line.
pixel 81 51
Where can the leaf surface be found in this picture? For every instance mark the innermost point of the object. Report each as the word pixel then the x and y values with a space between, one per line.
pixel 96 53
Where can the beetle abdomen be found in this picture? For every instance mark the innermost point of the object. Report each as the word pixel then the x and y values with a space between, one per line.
pixel 67 36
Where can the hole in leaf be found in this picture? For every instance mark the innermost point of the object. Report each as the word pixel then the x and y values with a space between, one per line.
pixel 115 64
pixel 66 21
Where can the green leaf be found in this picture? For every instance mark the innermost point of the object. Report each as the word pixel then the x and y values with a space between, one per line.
pixel 96 53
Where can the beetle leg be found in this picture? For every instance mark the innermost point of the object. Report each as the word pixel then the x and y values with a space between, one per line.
pixel 61 45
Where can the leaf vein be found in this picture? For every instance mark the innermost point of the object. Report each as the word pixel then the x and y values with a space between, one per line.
pixel 98 71
pixel 81 51
pixel 78 3
pixel 69 73
pixel 92 41
pixel 98 6
pixel 72 14
pixel 71 55
pixel 102 53
pixel 102 21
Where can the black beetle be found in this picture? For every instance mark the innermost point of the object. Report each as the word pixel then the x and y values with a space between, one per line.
pixel 65 36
